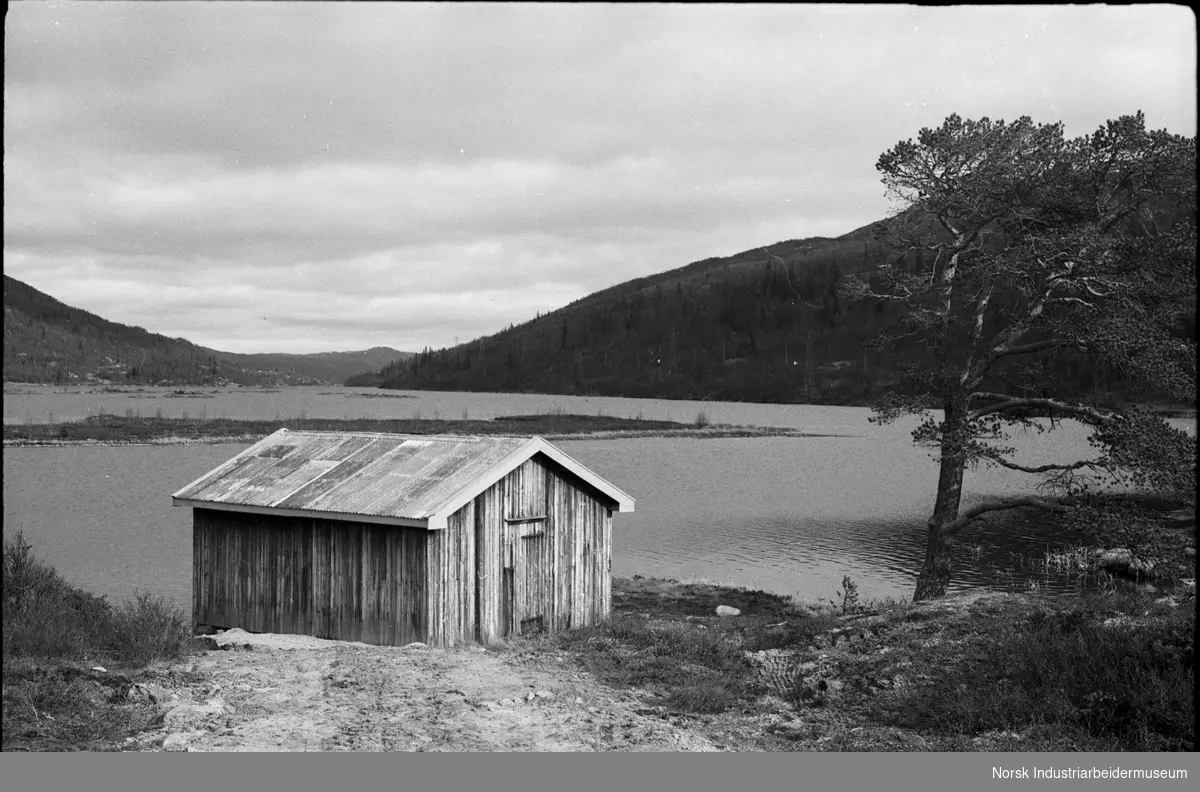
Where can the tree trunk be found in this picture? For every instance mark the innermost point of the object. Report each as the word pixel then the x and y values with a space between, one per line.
pixel 935 574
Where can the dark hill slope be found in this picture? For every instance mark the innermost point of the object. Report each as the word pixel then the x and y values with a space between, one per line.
pixel 48 341
pixel 763 325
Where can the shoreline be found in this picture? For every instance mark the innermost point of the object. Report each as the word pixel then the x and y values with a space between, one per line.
pixel 113 430
pixel 17 388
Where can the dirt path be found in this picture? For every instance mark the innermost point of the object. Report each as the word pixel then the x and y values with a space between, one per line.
pixel 296 693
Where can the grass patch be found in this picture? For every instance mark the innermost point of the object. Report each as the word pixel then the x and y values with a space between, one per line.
pixel 54 636
pixel 658 641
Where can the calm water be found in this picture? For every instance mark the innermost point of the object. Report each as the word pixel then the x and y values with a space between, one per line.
pixel 791 515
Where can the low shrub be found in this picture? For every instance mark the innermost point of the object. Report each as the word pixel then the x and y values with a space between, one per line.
pixel 146 630
pixel 697 667
pixel 53 633
pixel 1112 672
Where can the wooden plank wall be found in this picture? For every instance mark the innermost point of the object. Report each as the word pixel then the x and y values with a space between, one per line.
pixel 582 548
pixel 529 548
pixel 341 580
pixel 525 492
pixel 569 567
pixel 451 580
pixel 489 527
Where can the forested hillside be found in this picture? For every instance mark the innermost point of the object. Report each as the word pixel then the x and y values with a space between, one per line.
pixel 766 325
pixel 48 341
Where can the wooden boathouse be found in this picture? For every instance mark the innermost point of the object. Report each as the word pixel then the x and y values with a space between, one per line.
pixel 391 539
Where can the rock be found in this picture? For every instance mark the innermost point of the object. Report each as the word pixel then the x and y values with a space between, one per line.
pixel 178 742
pixel 507 702
pixel 529 697
pixel 725 610
pixel 148 692
pixel 578 700
pixel 205 643
pixel 101 669
pixel 416 645
pixel 192 713
pixel 1120 561
pixel 544 694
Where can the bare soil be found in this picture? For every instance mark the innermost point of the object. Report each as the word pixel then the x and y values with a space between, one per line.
pixel 296 693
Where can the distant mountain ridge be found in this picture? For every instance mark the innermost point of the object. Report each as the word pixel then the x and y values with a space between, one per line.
pixel 325 366
pixel 46 340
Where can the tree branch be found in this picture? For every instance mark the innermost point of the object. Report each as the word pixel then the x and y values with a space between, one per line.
pixel 1076 300
pixel 973 513
pixel 977 332
pixel 1024 349
pixel 1048 404
pixel 1042 468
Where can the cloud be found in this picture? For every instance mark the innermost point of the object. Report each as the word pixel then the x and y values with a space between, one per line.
pixel 197 167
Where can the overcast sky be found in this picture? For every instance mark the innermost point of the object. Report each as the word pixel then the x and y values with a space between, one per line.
pixel 304 177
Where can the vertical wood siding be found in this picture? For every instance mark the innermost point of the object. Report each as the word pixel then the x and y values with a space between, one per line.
pixel 489 527
pixel 341 580
pixel 527 554
pixel 582 535
pixel 556 569
pixel 451 580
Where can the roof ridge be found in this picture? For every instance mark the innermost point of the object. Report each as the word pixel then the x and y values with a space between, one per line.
pixel 351 432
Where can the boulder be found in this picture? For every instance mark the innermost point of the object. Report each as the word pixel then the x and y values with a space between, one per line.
pixel 726 610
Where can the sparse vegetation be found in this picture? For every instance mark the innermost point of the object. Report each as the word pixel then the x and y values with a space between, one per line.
pixel 1097 673
pixel 55 637
pixel 849 595
pixel 677 650
pixel 117 429
pixel 1007 672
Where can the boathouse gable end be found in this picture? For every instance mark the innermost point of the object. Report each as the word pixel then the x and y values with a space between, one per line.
pixel 390 539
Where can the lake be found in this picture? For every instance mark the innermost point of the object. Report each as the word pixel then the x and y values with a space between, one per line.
pixel 785 514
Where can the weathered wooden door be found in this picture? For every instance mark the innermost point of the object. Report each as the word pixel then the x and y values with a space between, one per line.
pixel 526 551
pixel 525 575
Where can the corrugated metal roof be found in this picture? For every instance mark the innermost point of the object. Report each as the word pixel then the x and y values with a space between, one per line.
pixel 389 476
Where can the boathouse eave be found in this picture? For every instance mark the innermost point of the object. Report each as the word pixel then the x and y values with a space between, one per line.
pixel 623 501
pixel 227 464
pixel 406 522
pixel 535 445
